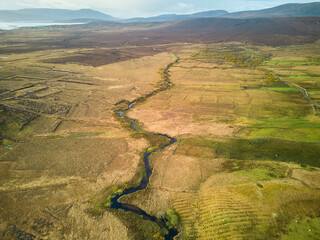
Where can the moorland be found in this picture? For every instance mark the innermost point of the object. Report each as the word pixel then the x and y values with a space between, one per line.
pixel 240 97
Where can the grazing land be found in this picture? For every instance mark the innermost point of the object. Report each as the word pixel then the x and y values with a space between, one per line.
pixel 244 111
pixel 245 132
pixel 61 144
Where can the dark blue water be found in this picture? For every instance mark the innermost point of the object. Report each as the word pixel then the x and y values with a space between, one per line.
pixel 144 182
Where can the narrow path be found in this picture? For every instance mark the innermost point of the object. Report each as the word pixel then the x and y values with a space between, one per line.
pixel 250 58
pixel 301 89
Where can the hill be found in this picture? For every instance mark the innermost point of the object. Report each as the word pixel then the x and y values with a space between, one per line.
pixel 174 17
pixel 51 15
pixel 272 31
pixel 286 10
pixel 261 31
pixel 88 15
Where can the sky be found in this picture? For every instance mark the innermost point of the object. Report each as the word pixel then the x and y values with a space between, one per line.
pixel 145 8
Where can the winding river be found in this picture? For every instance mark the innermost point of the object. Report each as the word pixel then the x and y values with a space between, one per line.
pixel 115 204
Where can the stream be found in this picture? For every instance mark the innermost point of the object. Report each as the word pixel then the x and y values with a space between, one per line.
pixel 115 204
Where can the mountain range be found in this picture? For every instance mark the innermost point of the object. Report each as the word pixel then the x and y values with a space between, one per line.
pixel 52 15
pixel 88 15
pixel 174 17
pixel 286 10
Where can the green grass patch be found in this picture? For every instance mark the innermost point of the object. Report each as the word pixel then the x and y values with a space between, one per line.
pixel 305 129
pixel 256 170
pixel 293 204
pixel 111 192
pixel 298 134
pixel 156 141
pixel 270 63
pixel 287 122
pixel 151 149
pixel 314 92
pixel 263 148
pixel 270 149
pixel 83 135
pixel 259 185
pixel 9 128
pixel 300 63
pixel 280 89
pixel 274 149
pixel 307 228
pixel 255 174
pixel 299 76
pixel 173 219
pixel 197 147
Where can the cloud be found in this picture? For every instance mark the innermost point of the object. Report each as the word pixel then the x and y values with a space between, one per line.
pixel 181 7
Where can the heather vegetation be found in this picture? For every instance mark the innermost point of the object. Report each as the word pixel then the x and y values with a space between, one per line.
pixel 80 113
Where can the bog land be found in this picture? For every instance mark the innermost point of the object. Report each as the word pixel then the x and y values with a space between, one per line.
pixel 245 112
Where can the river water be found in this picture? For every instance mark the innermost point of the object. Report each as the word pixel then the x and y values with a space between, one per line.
pixel 16 25
pixel 144 183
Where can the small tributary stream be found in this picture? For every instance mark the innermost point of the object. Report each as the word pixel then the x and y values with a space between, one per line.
pixel 115 204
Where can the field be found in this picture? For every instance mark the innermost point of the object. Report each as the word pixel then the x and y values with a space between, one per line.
pixel 61 145
pixel 244 111
pixel 243 135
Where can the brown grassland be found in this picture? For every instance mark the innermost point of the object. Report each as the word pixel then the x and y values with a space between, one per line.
pixel 237 125
pixel 246 119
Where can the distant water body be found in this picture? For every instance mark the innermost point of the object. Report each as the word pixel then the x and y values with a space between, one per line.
pixel 16 25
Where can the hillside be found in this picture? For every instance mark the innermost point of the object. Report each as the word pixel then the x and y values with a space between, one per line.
pixel 286 10
pixel 174 17
pixel 271 31
pixel 262 31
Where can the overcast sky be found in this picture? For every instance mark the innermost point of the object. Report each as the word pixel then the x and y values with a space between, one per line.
pixel 134 8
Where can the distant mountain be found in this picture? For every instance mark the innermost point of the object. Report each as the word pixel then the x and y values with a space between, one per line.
pixel 274 31
pixel 286 10
pixel 51 15
pixel 265 31
pixel 88 15
pixel 208 14
pixel 174 17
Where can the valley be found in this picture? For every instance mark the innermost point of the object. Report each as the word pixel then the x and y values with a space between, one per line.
pixel 228 119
